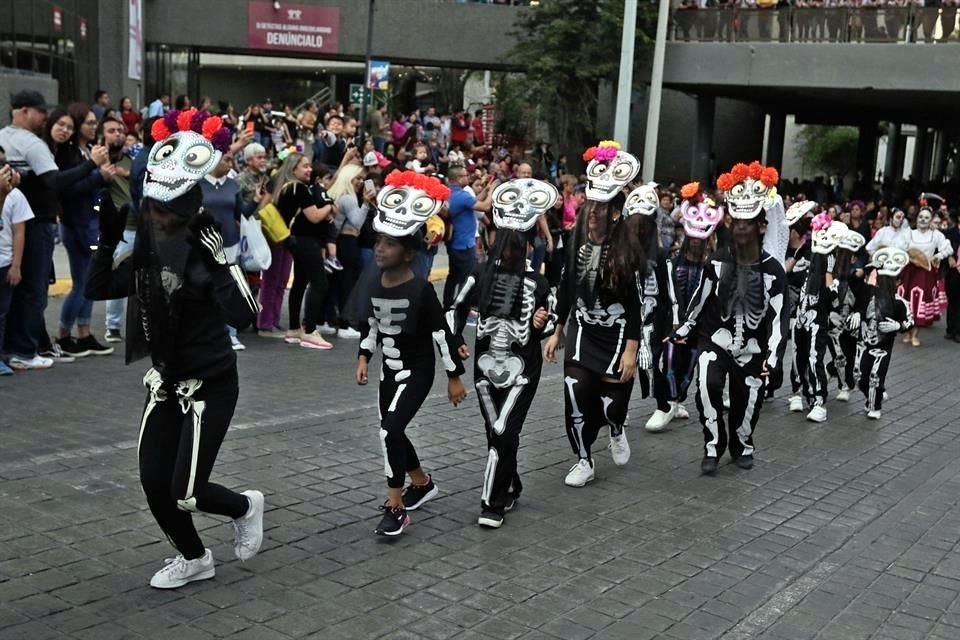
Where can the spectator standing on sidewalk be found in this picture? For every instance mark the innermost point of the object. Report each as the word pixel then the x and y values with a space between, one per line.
pixel 101 102
pixel 120 192
pixel 14 214
pixel 461 248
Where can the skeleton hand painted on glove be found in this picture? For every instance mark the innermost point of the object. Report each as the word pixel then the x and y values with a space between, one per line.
pixel 888 325
pixel 853 321
pixel 208 239
pixel 644 358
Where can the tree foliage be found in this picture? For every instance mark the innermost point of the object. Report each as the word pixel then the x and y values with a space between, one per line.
pixel 829 148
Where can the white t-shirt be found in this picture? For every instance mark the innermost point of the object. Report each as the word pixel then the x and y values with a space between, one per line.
pixel 16 209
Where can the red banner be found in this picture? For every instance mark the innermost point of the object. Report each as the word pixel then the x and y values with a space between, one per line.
pixel 57 16
pixel 293 27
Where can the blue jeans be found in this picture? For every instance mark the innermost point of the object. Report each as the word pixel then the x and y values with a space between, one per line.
pixel 423 263
pixel 25 322
pixel 114 308
pixel 77 309
pixel 539 253
pixel 366 257
pixel 462 263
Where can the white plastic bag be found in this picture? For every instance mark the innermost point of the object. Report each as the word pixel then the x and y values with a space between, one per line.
pixel 254 250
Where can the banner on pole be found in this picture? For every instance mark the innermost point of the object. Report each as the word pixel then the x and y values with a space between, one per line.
pixel 135 40
pixel 379 79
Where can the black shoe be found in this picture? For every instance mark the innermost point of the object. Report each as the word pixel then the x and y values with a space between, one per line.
pixel 70 346
pixel 394 521
pixel 708 466
pixel 511 503
pixel 745 462
pixel 490 519
pixel 414 497
pixel 113 335
pixel 93 347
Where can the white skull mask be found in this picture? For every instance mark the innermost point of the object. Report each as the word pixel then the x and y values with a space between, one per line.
pixel 606 179
pixel 643 201
pixel 827 239
pixel 177 163
pixel 518 203
pixel 401 210
pixel 746 199
pixel 799 210
pixel 889 261
pixel 924 218
pixel 851 241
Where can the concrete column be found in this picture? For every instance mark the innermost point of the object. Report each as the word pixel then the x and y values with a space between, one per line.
pixel 775 139
pixel 939 155
pixel 894 148
pixel 867 151
pixel 921 154
pixel 703 139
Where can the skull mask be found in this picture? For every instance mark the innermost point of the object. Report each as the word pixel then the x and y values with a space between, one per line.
pixel 401 210
pixel 606 179
pixel 176 164
pixel 746 199
pixel 851 241
pixel 700 219
pixel 923 219
pixel 827 239
pixel 643 201
pixel 518 203
pixel 799 210
pixel 889 261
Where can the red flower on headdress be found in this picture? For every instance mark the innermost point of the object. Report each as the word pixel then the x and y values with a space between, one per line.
pixel 725 182
pixel 769 176
pixel 159 130
pixel 689 190
pixel 428 184
pixel 185 119
pixel 589 154
pixel 210 127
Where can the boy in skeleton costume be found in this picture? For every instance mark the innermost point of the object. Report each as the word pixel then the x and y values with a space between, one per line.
pixel 183 294
pixel 516 310
pixel 600 295
pixel 883 313
pixel 401 314
pixel 799 216
pixel 844 320
pixel 810 332
pixel 738 318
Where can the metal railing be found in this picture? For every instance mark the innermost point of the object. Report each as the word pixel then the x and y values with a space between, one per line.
pixel 905 24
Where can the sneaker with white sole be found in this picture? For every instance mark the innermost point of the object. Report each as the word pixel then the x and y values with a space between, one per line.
pixel 314 340
pixel 843 395
pixel 580 473
pixel 293 337
pixel 57 354
pixel 796 404
pixel 874 415
pixel 113 335
pixel 236 344
pixel 271 333
pixel 23 363
pixel 326 330
pixel 180 571
pixel 248 529
pixel 332 264
pixel 817 414
pixel 680 411
pixel 659 420
pixel 348 334
pixel 619 449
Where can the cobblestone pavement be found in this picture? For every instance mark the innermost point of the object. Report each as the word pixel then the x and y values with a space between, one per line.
pixel 844 530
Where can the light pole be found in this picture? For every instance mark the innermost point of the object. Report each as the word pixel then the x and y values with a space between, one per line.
pixel 656 91
pixel 366 77
pixel 621 122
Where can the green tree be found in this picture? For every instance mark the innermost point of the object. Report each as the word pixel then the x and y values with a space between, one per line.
pixel 565 48
pixel 829 148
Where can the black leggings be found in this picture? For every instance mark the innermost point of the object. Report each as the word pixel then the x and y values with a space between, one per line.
pixel 181 431
pixel 307 269
pixel 348 253
pixel 810 348
pixel 746 398
pixel 872 365
pixel 589 403
pixel 843 353
pixel 677 366
pixel 399 402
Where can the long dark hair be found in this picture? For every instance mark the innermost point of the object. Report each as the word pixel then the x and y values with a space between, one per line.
pixel 886 296
pixel 55 115
pixel 630 251
pixel 508 257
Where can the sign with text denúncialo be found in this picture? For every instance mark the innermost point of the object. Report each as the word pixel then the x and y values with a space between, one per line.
pixel 293 27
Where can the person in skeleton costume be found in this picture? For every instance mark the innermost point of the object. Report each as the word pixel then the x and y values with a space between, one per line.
pixel 810 332
pixel 844 320
pixel 516 309
pixel 401 315
pixel 700 217
pixel 600 294
pixel 799 216
pixel 883 313
pixel 738 320
pixel 183 294
pixel 919 284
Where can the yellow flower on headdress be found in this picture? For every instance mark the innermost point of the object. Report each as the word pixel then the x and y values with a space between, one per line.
pixel 610 143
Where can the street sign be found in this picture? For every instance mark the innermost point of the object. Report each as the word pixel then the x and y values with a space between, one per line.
pixel 356 93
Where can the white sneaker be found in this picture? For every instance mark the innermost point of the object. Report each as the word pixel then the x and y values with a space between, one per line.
pixel 874 415
pixel 315 341
pixel 796 404
pixel 293 337
pixel 817 414
pixel 680 411
pixel 326 329
pixel 619 449
pixel 271 333
pixel 348 334
pixel 248 529
pixel 236 344
pixel 179 571
pixel 886 396
pixel 20 363
pixel 843 395
pixel 659 420
pixel 580 474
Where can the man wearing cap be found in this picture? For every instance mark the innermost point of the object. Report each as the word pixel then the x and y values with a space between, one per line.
pixel 375 162
pixel 40 180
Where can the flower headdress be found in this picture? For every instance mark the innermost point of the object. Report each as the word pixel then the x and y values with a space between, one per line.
pixel 428 184
pixel 690 191
pixel 769 176
pixel 821 221
pixel 201 122
pixel 605 151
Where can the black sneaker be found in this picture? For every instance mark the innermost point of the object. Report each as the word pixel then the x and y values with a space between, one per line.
pixel 113 335
pixel 57 354
pixel 93 347
pixel 70 346
pixel 745 462
pixel 708 466
pixel 511 503
pixel 490 519
pixel 415 496
pixel 394 521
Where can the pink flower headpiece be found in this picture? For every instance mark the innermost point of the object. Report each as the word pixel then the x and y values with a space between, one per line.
pixel 604 152
pixel 201 122
pixel 821 221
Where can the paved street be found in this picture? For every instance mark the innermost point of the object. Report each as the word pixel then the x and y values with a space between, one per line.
pixel 843 530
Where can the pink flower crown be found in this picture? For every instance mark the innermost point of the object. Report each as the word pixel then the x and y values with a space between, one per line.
pixel 208 126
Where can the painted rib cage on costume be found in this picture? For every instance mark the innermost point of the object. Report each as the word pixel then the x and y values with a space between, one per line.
pixel 843 318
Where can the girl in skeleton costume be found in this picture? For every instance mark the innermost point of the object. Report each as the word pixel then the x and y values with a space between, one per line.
pixel 799 216
pixel 844 320
pixel 400 314
pixel 183 294
pixel 516 310
pixel 700 217
pixel 810 332
pixel 920 281
pixel 599 294
pixel 738 320
pixel 883 314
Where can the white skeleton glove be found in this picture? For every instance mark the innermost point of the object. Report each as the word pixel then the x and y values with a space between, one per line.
pixel 853 321
pixel 888 325
pixel 211 240
pixel 644 358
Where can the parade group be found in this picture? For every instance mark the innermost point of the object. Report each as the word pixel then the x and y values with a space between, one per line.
pixel 624 310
